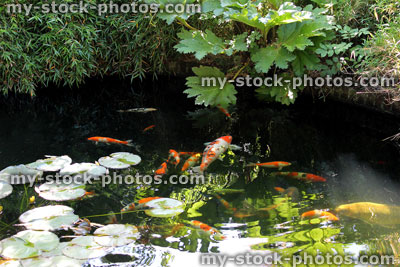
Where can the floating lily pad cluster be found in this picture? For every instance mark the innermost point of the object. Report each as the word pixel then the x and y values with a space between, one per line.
pixel 120 160
pixel 43 248
pixel 22 174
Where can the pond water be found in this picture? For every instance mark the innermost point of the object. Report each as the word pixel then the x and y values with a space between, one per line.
pixel 342 144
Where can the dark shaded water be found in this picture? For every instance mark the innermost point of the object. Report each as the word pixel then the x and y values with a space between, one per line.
pixel 341 143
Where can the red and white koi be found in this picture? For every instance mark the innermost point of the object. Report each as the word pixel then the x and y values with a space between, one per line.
pixel 140 205
pixel 108 140
pixel 175 157
pixel 190 162
pixel 214 150
pixel 206 228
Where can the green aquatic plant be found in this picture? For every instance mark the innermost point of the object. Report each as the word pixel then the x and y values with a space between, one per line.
pixel 274 37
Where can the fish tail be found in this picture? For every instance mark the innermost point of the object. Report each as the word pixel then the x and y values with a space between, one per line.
pixel 129 143
pixel 251 165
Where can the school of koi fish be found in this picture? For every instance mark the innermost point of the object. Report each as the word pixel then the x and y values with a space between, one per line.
pixel 216 148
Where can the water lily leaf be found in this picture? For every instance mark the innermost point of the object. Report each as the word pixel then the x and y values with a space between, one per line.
pixel 193 211
pixel 49 218
pixel 51 164
pixel 19 174
pixel 127 158
pixel 27 244
pixel 115 235
pixel 60 192
pixel 5 189
pixel 57 261
pixel 42 240
pixel 45 212
pixel 11 263
pixel 81 169
pixel 321 247
pixel 16 248
pixel 84 247
pixel 164 207
pixel 113 163
pixel 317 234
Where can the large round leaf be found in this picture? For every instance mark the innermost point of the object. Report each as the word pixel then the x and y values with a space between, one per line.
pixel 50 164
pixel 45 212
pixel 164 207
pixel 115 235
pixel 19 174
pixel 5 189
pixel 28 244
pixel 60 192
pixel 57 261
pixel 83 169
pixel 48 218
pixel 84 247
pixel 127 158
pixel 113 163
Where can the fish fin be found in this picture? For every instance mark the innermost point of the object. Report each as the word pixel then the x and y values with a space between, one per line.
pixel 251 165
pixel 280 168
pixel 235 147
pixel 206 144
pixel 197 170
pixel 221 159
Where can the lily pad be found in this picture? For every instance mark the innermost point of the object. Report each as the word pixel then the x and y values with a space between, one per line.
pixel 127 158
pixel 28 244
pixel 113 163
pixel 115 235
pixel 5 189
pixel 19 174
pixel 45 212
pixel 81 169
pixel 50 164
pixel 84 247
pixel 164 207
pixel 61 192
pixel 10 263
pixel 48 218
pixel 57 261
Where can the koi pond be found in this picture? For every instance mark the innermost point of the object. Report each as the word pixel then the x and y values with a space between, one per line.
pixel 329 185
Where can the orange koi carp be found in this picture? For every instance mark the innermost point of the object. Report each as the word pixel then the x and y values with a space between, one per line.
pixel 224 111
pixel 162 169
pixel 274 164
pixel 206 228
pixel 190 162
pixel 100 139
pixel 214 150
pixel 148 128
pixel 225 203
pixel 319 214
pixel 306 177
pixel 140 205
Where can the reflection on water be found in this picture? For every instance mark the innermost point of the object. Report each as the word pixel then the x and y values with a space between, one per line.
pixel 259 217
